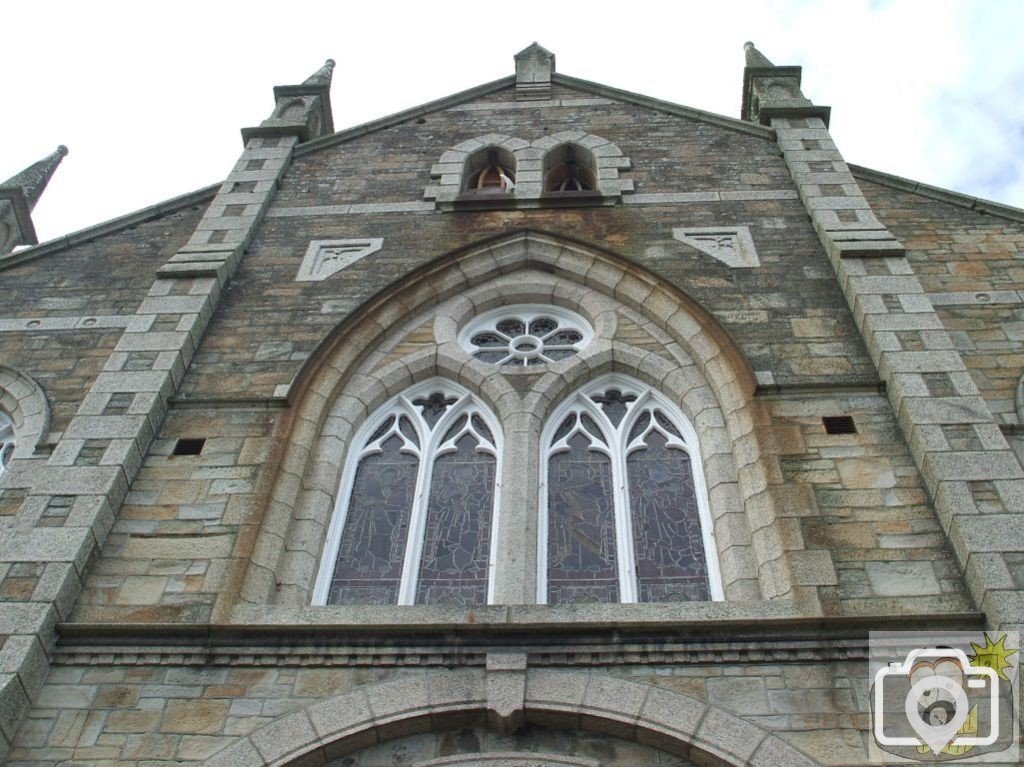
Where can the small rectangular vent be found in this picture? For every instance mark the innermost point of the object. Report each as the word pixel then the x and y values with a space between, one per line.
pixel 839 424
pixel 189 446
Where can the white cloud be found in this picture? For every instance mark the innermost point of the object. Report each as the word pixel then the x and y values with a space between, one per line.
pixel 151 104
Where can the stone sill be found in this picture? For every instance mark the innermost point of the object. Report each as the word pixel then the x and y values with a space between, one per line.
pixel 547 200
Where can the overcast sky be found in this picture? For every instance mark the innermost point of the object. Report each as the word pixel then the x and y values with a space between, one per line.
pixel 150 97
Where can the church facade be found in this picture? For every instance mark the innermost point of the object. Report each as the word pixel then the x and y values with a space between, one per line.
pixel 544 424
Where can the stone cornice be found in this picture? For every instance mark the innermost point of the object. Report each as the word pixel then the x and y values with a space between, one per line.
pixel 791 640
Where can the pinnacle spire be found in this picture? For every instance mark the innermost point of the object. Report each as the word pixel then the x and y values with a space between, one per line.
pixel 322 76
pixel 755 59
pixel 303 111
pixel 35 177
pixel 770 91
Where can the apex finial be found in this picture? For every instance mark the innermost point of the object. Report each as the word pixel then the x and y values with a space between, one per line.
pixel 534 66
pixel 755 59
pixel 35 177
pixel 323 75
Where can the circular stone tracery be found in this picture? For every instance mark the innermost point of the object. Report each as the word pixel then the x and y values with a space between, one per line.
pixel 525 336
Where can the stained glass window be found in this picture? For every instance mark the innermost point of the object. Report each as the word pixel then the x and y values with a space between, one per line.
pixel 415 521
pixel 581 526
pixel 625 510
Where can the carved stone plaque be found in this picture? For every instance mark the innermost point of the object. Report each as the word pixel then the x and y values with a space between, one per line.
pixel 327 257
pixel 732 245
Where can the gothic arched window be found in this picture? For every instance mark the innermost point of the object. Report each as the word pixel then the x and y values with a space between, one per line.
pixel 491 171
pixel 7 440
pixel 415 521
pixel 569 168
pixel 624 512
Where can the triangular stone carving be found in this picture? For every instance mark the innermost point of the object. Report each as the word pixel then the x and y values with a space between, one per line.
pixel 327 257
pixel 732 245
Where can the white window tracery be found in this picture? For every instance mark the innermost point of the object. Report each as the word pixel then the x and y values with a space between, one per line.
pixel 624 510
pixel 7 441
pixel 525 335
pixel 416 519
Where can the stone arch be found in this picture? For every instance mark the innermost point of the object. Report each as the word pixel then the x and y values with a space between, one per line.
pixel 450 169
pixel 655 716
pixel 25 402
pixel 717 381
pixel 608 158
pixel 452 166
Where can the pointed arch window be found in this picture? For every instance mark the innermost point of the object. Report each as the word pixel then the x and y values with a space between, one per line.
pixel 491 171
pixel 569 168
pixel 624 511
pixel 7 441
pixel 416 516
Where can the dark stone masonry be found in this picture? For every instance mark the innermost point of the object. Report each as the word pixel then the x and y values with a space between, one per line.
pixel 203 402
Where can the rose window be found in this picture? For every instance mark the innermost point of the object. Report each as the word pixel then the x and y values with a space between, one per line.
pixel 524 336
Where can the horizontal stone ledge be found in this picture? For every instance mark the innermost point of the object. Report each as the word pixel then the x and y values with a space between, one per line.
pixel 229 403
pixel 172 270
pixel 869 249
pixel 824 388
pixel 355 208
pixel 205 256
pixel 976 298
pixel 88 322
pixel 545 629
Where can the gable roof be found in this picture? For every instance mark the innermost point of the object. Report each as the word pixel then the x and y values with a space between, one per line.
pixel 486 89
pixel 597 89
pixel 959 199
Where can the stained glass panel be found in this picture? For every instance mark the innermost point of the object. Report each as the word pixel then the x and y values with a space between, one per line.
pixel 582 563
pixel 565 427
pixel 640 426
pixel 592 428
pixel 369 564
pixel 614 404
pixel 455 428
pixel 511 327
pixel 481 428
pixel 456 546
pixel 407 429
pixel 434 406
pixel 666 424
pixel 670 561
pixel 542 326
pixel 381 430
pixel 564 337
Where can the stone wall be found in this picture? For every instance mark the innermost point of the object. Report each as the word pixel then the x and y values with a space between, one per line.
pixel 969 262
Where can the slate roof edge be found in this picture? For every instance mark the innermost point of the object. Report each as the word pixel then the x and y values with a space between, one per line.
pixel 397 118
pixel 587 86
pixel 959 199
pixel 730 123
pixel 112 226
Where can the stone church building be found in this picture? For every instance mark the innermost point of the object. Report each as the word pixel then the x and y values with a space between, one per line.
pixel 543 425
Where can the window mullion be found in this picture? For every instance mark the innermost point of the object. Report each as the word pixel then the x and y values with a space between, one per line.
pixel 623 522
pixel 417 517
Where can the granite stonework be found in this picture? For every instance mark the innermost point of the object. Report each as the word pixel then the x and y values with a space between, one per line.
pixel 156 608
